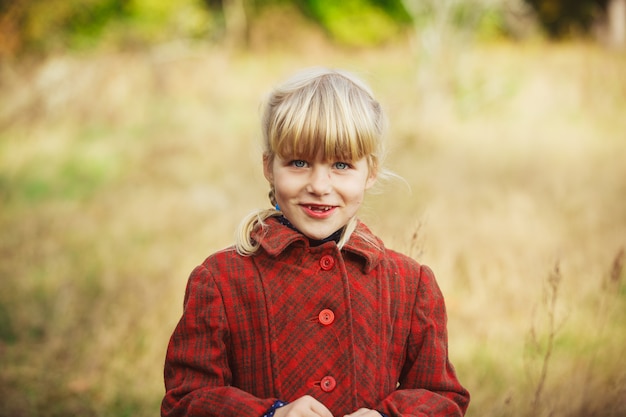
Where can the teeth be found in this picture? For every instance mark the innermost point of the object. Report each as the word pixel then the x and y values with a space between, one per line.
pixel 317 208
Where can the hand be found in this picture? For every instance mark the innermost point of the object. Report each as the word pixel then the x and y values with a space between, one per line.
pixel 364 412
pixel 305 406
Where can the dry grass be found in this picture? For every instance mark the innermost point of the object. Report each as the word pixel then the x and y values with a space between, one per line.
pixel 120 172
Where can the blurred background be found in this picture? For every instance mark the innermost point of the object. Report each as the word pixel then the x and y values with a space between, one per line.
pixel 130 151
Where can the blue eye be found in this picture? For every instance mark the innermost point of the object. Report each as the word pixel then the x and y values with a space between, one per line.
pixel 342 165
pixel 298 163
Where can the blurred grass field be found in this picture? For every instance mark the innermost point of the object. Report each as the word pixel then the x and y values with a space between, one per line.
pixel 119 172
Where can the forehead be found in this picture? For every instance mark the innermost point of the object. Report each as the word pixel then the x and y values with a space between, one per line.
pixel 319 153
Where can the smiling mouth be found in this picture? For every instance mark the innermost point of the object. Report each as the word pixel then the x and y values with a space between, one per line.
pixel 320 209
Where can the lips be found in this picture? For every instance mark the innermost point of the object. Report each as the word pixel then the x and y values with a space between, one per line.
pixel 318 210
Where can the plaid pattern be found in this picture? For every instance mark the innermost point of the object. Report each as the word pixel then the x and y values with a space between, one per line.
pixel 252 333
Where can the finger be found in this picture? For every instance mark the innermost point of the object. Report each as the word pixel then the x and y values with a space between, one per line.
pixel 320 409
pixel 305 406
pixel 364 412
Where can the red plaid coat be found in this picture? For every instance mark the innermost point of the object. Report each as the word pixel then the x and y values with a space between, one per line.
pixel 360 327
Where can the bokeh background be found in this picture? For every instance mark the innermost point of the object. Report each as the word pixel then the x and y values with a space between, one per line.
pixel 129 151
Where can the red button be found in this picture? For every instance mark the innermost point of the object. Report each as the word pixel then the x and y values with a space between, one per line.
pixel 326 317
pixel 327 262
pixel 328 384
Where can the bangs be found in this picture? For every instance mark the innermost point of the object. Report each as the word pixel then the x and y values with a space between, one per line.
pixel 331 116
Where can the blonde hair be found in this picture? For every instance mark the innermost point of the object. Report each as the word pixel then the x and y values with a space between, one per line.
pixel 318 110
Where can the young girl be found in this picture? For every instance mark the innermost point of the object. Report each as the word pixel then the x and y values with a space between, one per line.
pixel 309 314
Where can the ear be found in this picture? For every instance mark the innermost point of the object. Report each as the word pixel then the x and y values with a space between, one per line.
pixel 371 178
pixel 268 170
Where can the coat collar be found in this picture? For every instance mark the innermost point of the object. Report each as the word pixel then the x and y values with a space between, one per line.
pixel 275 237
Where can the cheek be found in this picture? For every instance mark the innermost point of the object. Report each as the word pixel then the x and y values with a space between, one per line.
pixel 283 186
pixel 357 196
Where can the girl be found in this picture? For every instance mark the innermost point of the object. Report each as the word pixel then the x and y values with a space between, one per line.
pixel 309 314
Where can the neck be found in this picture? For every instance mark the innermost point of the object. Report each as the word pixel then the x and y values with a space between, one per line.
pixel 314 242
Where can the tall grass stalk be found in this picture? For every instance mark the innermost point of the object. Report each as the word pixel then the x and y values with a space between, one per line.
pixel 550 298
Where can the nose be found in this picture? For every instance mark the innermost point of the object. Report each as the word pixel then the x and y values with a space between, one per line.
pixel 319 180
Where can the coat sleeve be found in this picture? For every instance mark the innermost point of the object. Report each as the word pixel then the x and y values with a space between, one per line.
pixel 428 384
pixel 197 373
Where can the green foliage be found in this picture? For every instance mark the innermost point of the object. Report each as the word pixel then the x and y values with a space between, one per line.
pixel 67 23
pixel 43 25
pixel 395 9
pixel 358 22
pixel 491 24
pixel 157 20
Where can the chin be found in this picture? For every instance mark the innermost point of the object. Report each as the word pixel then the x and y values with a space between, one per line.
pixel 316 236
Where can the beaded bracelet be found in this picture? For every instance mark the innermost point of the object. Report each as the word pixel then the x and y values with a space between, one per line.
pixel 274 407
